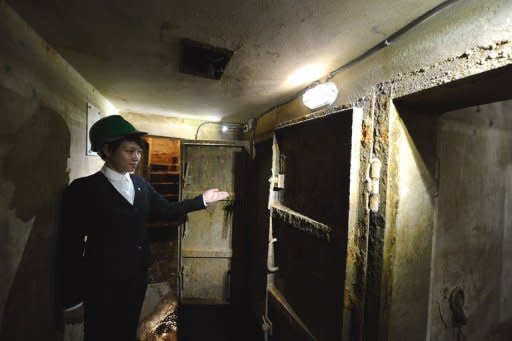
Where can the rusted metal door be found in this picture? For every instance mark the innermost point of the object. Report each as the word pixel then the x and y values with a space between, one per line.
pixel 206 238
pixel 314 193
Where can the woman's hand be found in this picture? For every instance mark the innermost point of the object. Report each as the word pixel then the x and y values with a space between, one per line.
pixel 214 195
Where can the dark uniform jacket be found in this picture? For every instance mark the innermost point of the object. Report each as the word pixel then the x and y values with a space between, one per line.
pixel 116 245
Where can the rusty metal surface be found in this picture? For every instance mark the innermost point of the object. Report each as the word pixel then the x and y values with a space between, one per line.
pixel 207 236
pixel 313 116
pixel 301 222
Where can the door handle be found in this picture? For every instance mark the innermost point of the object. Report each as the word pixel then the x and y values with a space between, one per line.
pixel 186 174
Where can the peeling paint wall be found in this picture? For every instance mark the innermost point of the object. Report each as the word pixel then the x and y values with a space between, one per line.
pixel 473 234
pixel 42 147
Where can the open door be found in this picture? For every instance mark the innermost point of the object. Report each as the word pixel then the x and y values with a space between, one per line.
pixel 314 191
pixel 206 238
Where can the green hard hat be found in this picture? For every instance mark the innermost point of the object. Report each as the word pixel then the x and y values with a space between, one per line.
pixel 110 129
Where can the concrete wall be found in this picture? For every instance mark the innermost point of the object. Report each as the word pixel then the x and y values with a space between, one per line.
pixel 409 222
pixel 42 147
pixel 473 234
pixel 461 26
pixel 180 128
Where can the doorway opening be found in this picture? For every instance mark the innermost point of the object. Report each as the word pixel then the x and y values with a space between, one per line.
pixel 448 203
pixel 160 166
pixel 315 168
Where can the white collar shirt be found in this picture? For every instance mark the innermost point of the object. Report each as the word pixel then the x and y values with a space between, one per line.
pixel 121 182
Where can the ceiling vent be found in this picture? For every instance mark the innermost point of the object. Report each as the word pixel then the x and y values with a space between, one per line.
pixel 203 60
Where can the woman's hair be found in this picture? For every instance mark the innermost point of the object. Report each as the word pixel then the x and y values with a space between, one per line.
pixel 114 145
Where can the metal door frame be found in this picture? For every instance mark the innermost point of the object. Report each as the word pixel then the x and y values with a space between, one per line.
pixel 274 204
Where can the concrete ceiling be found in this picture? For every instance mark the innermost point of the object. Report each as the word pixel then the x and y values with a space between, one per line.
pixel 130 50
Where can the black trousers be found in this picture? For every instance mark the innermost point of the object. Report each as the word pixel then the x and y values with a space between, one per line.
pixel 112 308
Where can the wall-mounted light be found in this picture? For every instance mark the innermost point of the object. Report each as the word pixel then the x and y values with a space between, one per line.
pixel 320 95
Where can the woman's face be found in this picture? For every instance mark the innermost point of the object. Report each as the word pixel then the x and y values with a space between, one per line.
pixel 125 158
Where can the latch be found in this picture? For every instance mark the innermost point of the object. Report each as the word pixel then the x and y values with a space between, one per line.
pixel 280 176
pixel 186 175
pixel 373 186
pixel 279 184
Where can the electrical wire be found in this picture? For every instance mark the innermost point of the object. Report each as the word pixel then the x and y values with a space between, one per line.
pixel 386 42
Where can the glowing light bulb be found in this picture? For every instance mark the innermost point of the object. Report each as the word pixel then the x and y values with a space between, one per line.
pixel 320 95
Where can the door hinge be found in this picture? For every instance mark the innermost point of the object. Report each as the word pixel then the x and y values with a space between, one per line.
pixel 180 278
pixel 279 182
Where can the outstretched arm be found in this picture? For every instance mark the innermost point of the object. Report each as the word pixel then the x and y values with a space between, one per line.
pixel 214 195
pixel 163 209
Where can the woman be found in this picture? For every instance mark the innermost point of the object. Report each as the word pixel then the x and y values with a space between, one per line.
pixel 104 250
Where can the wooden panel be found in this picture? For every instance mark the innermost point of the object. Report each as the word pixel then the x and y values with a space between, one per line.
pixel 207 237
pixel 165 151
pixel 161 160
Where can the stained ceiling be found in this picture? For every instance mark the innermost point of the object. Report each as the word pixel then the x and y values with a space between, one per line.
pixel 130 50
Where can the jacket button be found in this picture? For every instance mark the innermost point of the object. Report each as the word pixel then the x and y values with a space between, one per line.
pixel 139 247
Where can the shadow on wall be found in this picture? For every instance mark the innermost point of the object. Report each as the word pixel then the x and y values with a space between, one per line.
pixel 35 163
pixel 503 330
